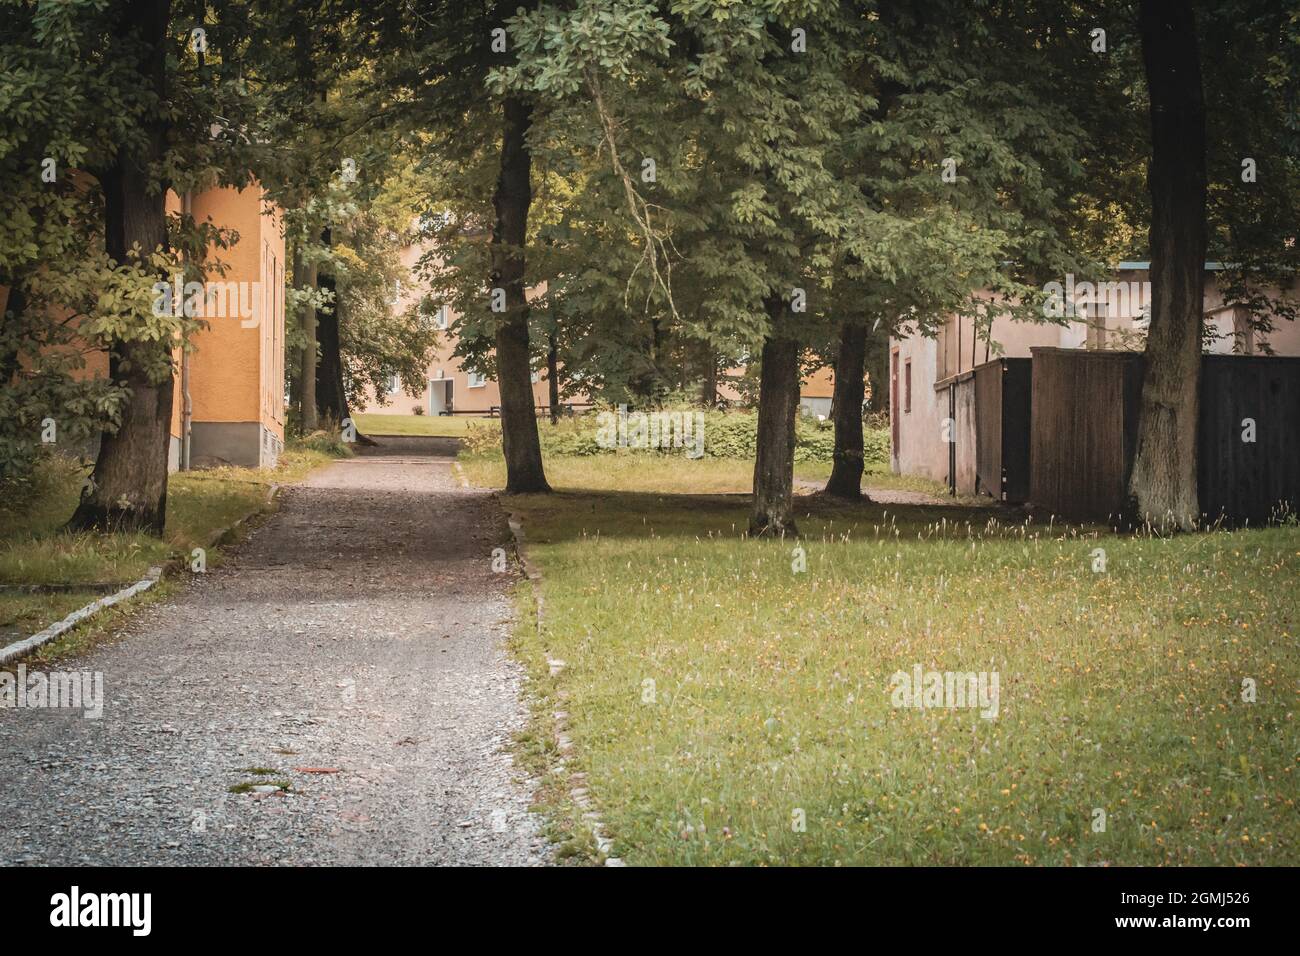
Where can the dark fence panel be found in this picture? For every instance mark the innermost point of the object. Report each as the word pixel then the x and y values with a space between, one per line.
pixel 1002 412
pixel 1084 434
pixel 1083 430
pixel 1247 481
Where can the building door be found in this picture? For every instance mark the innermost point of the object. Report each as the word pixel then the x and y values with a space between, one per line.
pixel 440 396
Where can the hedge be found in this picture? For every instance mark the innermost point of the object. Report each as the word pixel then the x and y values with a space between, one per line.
pixel 726 435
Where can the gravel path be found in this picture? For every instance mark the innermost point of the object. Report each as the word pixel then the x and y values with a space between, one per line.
pixel 360 630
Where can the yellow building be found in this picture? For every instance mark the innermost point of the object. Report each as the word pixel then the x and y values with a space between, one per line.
pixel 228 404
pixel 235 380
pixel 448 387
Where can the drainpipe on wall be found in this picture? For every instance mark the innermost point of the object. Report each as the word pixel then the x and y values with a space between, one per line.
pixel 187 408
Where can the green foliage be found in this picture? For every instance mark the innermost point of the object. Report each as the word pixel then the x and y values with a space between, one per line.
pixel 327 443
pixel 731 435
pixel 381 333
pixel 71 108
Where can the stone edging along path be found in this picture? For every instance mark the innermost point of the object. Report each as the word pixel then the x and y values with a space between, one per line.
pixel 579 794
pixel 24 647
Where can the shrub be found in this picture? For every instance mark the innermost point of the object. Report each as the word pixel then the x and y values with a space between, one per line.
pixel 50 475
pixel 481 439
pixel 328 443
pixel 875 447
pixel 417 409
pixel 726 435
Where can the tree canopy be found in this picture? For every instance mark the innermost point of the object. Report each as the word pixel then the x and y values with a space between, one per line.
pixel 626 196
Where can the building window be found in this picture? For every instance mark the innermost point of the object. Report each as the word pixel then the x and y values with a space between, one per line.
pixel 431 317
pixel 393 385
pixel 907 385
pixel 475 380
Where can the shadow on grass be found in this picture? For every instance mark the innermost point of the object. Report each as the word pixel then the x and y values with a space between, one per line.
pixel 571 513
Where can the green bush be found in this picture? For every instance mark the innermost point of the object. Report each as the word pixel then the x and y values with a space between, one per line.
pixel 326 442
pixel 875 447
pixel 726 435
pixel 814 440
pixel 481 439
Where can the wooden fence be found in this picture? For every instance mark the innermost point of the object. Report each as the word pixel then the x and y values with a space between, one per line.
pixel 1083 431
pixel 1249 463
pixel 1083 434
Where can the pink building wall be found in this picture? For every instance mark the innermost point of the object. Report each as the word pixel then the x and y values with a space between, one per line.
pixel 921 448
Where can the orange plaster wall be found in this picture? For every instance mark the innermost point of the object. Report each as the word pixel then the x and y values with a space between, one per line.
pixel 820 384
pixel 272 327
pixel 229 367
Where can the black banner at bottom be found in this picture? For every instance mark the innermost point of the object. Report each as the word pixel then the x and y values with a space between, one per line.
pixel 294 906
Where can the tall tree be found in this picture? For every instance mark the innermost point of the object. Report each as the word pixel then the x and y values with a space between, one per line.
pixel 511 201
pixel 850 365
pixel 778 405
pixel 430 70
pixel 770 197
pixel 128 487
pixel 1163 480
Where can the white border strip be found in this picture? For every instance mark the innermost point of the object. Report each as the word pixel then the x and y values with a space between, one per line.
pixel 19 648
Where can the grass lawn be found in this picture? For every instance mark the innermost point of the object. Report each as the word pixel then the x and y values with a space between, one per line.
pixel 453 426
pixel 622 471
pixel 33 549
pixel 716 698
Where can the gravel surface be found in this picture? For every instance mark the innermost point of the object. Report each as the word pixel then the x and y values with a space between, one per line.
pixel 361 630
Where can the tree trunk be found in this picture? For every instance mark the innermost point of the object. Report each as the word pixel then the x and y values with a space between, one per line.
pixel 331 396
pixel 293 364
pixel 128 490
pixel 709 387
pixel 514 195
pixel 846 472
pixel 307 369
pixel 553 377
pixel 778 403
pixel 877 370
pixel 1162 485
pixel 14 302
pixel 331 402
